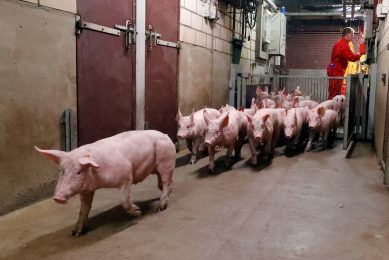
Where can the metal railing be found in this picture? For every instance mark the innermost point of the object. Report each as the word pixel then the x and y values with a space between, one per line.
pixel 357 100
pixel 314 86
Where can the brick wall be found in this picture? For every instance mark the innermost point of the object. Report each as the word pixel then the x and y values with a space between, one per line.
pixel 309 50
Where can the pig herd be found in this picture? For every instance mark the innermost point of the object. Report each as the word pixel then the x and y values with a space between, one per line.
pixel 271 119
pixel 129 157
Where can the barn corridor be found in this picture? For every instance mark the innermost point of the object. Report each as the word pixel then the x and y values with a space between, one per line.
pixel 315 205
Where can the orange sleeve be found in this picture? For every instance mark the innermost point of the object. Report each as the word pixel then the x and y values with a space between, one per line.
pixel 362 48
pixel 348 54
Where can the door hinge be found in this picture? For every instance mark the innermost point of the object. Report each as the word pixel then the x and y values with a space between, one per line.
pixel 82 25
pixel 128 29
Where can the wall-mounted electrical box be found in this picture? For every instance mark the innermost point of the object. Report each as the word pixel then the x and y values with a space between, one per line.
pixel 262 32
pixel 277 34
pixel 271 32
pixel 382 9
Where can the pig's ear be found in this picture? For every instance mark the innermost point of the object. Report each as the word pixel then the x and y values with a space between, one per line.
pixel 192 116
pixel 179 116
pixel 321 111
pixel 224 121
pixel 266 117
pixel 206 116
pixel 249 118
pixel 252 103
pixel 54 155
pixel 88 161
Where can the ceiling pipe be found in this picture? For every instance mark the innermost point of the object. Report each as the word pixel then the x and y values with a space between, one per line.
pixel 272 5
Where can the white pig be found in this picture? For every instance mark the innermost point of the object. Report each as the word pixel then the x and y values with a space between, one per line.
pixel 340 105
pixel 260 133
pixel 229 130
pixel 114 162
pixel 192 129
pixel 295 121
pixel 322 121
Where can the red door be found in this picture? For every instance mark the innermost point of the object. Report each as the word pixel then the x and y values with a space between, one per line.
pixel 161 67
pixel 105 72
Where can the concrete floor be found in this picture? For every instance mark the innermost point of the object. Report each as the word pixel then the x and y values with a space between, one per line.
pixel 315 205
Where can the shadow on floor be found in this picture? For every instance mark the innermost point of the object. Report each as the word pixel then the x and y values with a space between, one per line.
pixel 220 168
pixel 100 227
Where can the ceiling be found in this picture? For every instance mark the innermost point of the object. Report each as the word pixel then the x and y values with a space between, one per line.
pixel 322 9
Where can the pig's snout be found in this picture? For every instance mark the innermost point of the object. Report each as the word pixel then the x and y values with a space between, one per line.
pixel 180 137
pixel 207 142
pixel 287 137
pixel 60 200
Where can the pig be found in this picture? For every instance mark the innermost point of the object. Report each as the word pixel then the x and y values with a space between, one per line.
pixel 261 94
pixel 192 129
pixel 228 130
pixel 322 121
pixel 249 111
pixel 226 108
pixel 260 133
pixel 295 122
pixel 273 130
pixel 340 105
pixel 266 103
pixel 310 104
pixel 328 104
pixel 114 162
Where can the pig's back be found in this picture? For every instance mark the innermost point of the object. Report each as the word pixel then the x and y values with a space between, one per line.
pixel 135 146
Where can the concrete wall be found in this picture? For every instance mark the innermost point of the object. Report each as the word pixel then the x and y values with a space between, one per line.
pixel 38 81
pixel 382 89
pixel 206 72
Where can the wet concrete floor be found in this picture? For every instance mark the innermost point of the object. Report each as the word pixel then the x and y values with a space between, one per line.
pixel 314 205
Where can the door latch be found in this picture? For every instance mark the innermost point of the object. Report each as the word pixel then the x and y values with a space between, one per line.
pixel 129 30
pixel 153 39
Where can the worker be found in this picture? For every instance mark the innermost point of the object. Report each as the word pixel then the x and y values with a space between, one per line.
pixel 341 55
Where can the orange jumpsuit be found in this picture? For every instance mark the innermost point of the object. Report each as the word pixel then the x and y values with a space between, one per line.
pixel 341 55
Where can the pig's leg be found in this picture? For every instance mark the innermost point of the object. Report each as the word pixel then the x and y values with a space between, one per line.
pixel 211 152
pixel 269 149
pixel 127 202
pixel 325 139
pixel 309 144
pixel 195 150
pixel 189 145
pixel 297 138
pixel 165 173
pixel 86 199
pixel 230 149
pixel 253 150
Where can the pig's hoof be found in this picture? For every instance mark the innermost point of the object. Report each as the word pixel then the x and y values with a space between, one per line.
pixel 80 231
pixel 254 160
pixel 227 165
pixel 134 211
pixel 192 161
pixel 161 206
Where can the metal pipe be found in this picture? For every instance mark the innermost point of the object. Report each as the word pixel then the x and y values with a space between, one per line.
pixel 272 5
pixel 140 73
